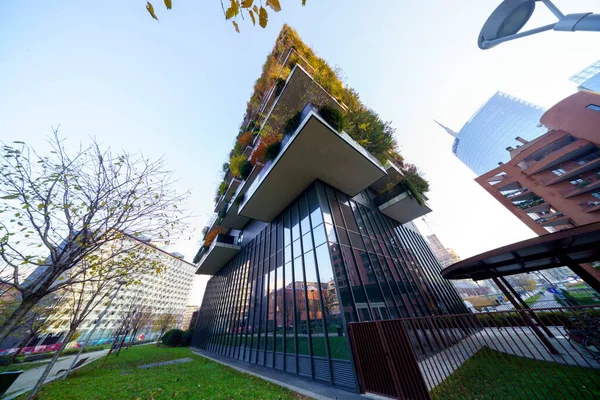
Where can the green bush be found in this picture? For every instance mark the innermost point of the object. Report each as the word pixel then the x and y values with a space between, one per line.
pixel 292 124
pixel 272 151
pixel 245 169
pixel 333 117
pixel 173 338
pixel 279 84
pixel 186 339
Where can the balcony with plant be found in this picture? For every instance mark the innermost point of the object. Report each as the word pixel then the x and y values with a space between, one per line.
pixel 274 109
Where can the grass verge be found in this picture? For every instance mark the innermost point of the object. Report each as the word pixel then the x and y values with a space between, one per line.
pixel 489 374
pixel 200 379
pixel 23 366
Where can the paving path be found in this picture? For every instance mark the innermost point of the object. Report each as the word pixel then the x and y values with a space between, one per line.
pixel 546 301
pixel 28 379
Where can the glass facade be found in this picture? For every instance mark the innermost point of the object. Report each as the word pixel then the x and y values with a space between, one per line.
pixel 588 78
pixel 285 300
pixel 481 143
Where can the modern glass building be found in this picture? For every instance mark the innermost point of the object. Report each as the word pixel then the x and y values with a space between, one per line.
pixel 315 238
pixel 482 142
pixel 588 78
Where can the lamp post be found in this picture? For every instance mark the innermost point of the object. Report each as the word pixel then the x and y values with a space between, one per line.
pixel 510 17
pixel 120 283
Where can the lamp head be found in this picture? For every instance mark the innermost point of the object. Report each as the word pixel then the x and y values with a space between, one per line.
pixel 507 19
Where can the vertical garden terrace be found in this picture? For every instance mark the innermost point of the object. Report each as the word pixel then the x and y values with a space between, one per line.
pixel 312 227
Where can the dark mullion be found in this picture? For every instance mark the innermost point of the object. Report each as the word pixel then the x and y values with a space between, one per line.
pixel 256 274
pixel 325 315
pixel 448 294
pixel 251 285
pixel 366 218
pixel 426 287
pixel 356 264
pixel 387 234
pixel 324 202
pixel 366 252
pixel 302 253
pixel 412 279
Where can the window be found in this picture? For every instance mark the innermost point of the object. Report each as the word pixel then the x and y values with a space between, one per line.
pixel 596 195
pixel 593 107
pixel 577 181
pixel 559 171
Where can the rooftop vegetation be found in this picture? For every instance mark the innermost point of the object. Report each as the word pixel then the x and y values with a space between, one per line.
pixel 360 122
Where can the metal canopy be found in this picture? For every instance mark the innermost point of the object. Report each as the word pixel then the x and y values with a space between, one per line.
pixel 577 245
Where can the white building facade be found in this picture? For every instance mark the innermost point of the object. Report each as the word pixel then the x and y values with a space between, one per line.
pixel 165 292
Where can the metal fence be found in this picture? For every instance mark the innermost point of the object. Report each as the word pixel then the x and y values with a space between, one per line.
pixel 516 354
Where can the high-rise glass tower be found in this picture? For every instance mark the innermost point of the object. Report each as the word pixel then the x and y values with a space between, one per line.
pixel 588 78
pixel 312 234
pixel 481 143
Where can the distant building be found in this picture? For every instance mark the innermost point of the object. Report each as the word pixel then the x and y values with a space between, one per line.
pixel 187 316
pixel 481 142
pixel 445 256
pixel 553 182
pixel 588 78
pixel 167 292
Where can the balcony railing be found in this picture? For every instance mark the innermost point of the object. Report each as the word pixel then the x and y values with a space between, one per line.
pixel 531 203
pixel 590 183
pixel 553 217
pixel 590 206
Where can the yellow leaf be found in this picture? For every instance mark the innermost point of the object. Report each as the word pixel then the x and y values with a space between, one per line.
pixel 233 9
pixel 168 4
pixel 263 17
pixel 237 28
pixel 303 2
pixel 255 8
pixel 247 3
pixel 274 4
pixel 252 17
pixel 150 9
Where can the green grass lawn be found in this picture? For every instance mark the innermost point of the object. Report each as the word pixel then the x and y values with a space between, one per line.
pixel 533 299
pixel 200 379
pixel 492 375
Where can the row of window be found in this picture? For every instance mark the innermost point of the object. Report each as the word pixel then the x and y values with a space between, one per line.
pixel 325 256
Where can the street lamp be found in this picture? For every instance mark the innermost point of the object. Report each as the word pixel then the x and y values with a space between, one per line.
pixel 511 16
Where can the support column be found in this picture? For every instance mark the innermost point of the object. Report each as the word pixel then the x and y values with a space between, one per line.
pixel 526 317
pixel 525 306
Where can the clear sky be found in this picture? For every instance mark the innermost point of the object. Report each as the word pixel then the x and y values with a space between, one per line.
pixel 179 87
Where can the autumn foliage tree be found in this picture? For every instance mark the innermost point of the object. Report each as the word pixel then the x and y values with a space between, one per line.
pixel 237 8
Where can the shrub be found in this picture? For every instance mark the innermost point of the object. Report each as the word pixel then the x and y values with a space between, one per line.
pixel 272 151
pixel 333 117
pixel 212 234
pixel 245 169
pixel 292 124
pixel 240 198
pixel 279 84
pixel 223 187
pixel 172 338
pixel 245 139
pixel 186 338
pixel 236 164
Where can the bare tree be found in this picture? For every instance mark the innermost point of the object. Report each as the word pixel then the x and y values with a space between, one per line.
pixel 164 322
pixel 60 209
pixel 137 316
pixel 100 275
pixel 40 319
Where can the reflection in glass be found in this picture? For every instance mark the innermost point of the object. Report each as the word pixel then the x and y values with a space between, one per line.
pixel 290 327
